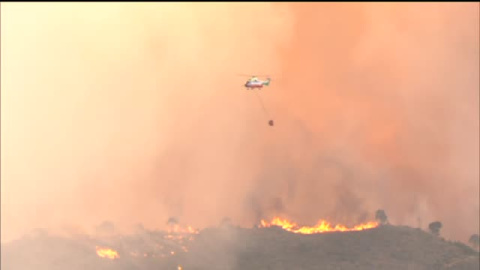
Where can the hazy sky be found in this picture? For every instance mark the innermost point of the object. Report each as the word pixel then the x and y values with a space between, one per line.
pixel 135 112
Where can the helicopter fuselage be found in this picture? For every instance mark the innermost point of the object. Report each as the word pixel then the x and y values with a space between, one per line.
pixel 256 84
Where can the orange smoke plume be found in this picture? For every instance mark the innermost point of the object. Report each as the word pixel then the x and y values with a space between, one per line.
pixel 320 227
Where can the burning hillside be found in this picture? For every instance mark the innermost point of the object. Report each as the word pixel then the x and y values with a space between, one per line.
pixel 234 248
pixel 176 239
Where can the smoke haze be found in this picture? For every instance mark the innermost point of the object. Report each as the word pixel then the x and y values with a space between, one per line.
pixel 134 113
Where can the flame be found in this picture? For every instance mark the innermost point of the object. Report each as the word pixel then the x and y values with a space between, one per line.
pixel 320 227
pixel 179 267
pixel 179 235
pixel 175 241
pixel 178 229
pixel 107 253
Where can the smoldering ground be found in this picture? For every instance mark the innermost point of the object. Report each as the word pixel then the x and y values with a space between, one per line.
pixel 133 113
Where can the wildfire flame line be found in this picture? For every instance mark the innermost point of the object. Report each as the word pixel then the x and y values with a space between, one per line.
pixel 174 242
pixel 320 227
pixel 107 253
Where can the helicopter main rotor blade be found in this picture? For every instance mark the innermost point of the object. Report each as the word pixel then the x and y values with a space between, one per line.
pixel 253 75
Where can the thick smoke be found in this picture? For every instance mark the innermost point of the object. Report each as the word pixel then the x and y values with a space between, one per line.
pixel 391 93
pixel 134 113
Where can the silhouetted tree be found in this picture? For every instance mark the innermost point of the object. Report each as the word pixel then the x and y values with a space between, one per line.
pixel 226 222
pixel 435 227
pixel 139 228
pixel 106 227
pixel 277 205
pixel 381 217
pixel 40 232
pixel 172 221
pixel 474 241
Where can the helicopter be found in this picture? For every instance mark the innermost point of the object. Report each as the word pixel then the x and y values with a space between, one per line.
pixel 254 82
